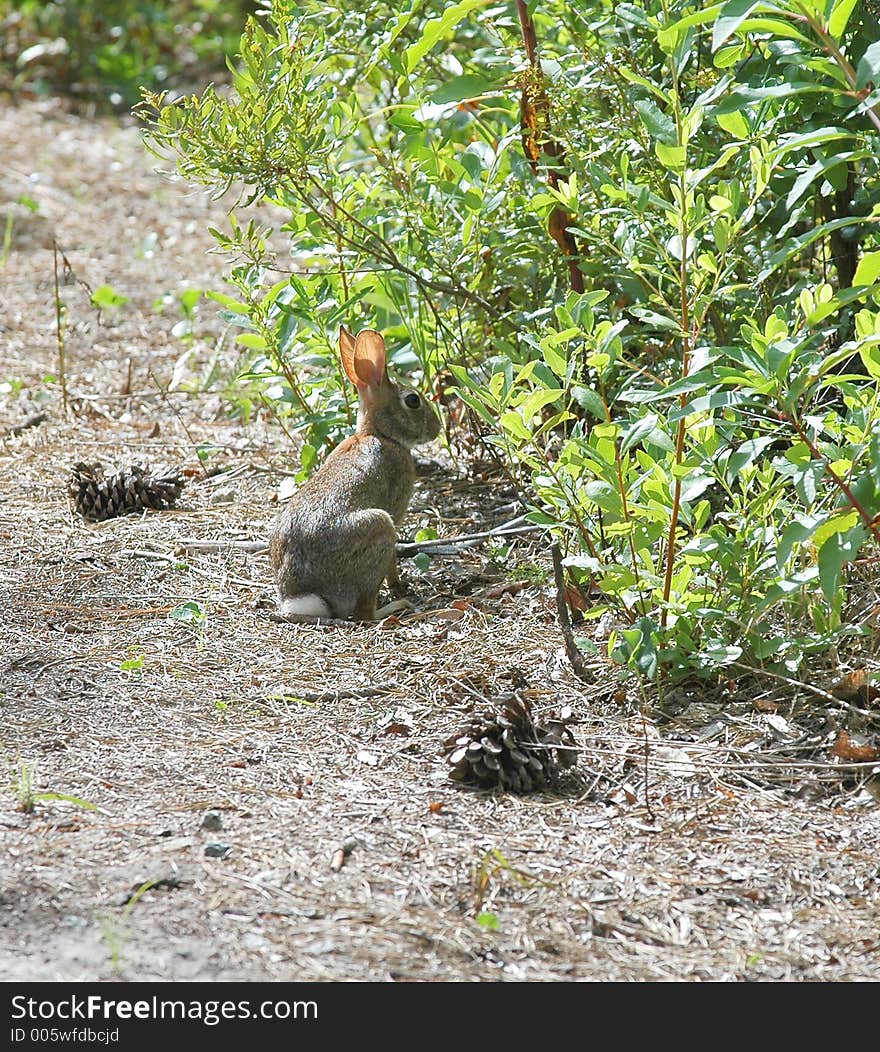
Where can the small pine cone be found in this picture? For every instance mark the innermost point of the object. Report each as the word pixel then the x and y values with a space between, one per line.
pixel 504 746
pixel 554 732
pixel 97 497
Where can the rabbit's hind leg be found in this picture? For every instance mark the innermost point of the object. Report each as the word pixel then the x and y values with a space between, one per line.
pixel 370 553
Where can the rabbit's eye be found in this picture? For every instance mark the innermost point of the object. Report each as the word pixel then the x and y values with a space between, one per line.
pixel 413 400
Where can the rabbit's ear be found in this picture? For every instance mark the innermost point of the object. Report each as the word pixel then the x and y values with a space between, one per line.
pixel 369 359
pixel 346 353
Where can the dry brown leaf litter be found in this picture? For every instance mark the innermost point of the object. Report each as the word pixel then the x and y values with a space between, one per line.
pixel 713 838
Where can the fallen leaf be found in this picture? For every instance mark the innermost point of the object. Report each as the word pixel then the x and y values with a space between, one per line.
pixel 765 705
pixel 435 807
pixel 856 687
pixel 575 599
pixel 448 614
pixel 495 591
pixel 397 728
pixel 851 752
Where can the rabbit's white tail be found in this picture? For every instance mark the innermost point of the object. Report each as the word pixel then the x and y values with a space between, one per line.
pixel 308 605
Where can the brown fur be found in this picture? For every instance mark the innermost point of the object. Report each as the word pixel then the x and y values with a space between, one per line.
pixel 334 543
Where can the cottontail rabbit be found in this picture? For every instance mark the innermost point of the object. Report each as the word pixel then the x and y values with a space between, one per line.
pixel 334 543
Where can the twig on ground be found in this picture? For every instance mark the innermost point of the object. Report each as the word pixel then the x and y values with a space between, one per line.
pixel 808 687
pixel 571 648
pixel 254 547
pixel 445 546
pixel 32 421
pixel 448 545
pixel 59 326
pixel 327 696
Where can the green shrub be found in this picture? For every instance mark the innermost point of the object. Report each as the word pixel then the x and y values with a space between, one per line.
pixel 106 50
pixel 650 262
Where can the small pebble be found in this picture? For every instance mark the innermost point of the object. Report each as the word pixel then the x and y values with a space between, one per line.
pixel 212 821
pixel 217 850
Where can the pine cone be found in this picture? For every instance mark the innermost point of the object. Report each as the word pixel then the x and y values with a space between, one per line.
pixel 97 496
pixel 505 746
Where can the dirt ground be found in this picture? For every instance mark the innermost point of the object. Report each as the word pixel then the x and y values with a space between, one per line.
pixel 712 837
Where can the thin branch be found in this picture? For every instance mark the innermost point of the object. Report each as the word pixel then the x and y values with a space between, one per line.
pixel 449 544
pixel 59 328
pixel 571 648
pixel 32 421
pixel 385 249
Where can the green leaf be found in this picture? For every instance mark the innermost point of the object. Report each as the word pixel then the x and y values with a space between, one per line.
pixel 512 422
pixel 557 362
pixel 839 549
pixel 673 158
pixel 489 921
pixel 868 270
pixel 590 400
pixel 836 524
pixel 836 303
pixel 660 126
pixel 252 340
pixel 840 15
pixel 604 495
pixel 745 96
pixel 632 435
pixel 795 533
pixel 67 799
pixel 228 302
pixel 870 355
pixel 747 452
pixel 190 612
pixel 869 67
pixel 640 647
pixel 655 320
pixel 819 136
pixel 106 296
pixel 478 406
pixel 735 123
pixel 667 37
pixel 537 400
pixel 733 14
pixel 467 86
pixel 643 82
pixel 436 29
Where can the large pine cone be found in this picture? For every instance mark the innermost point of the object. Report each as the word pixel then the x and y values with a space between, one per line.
pixel 505 746
pixel 97 496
